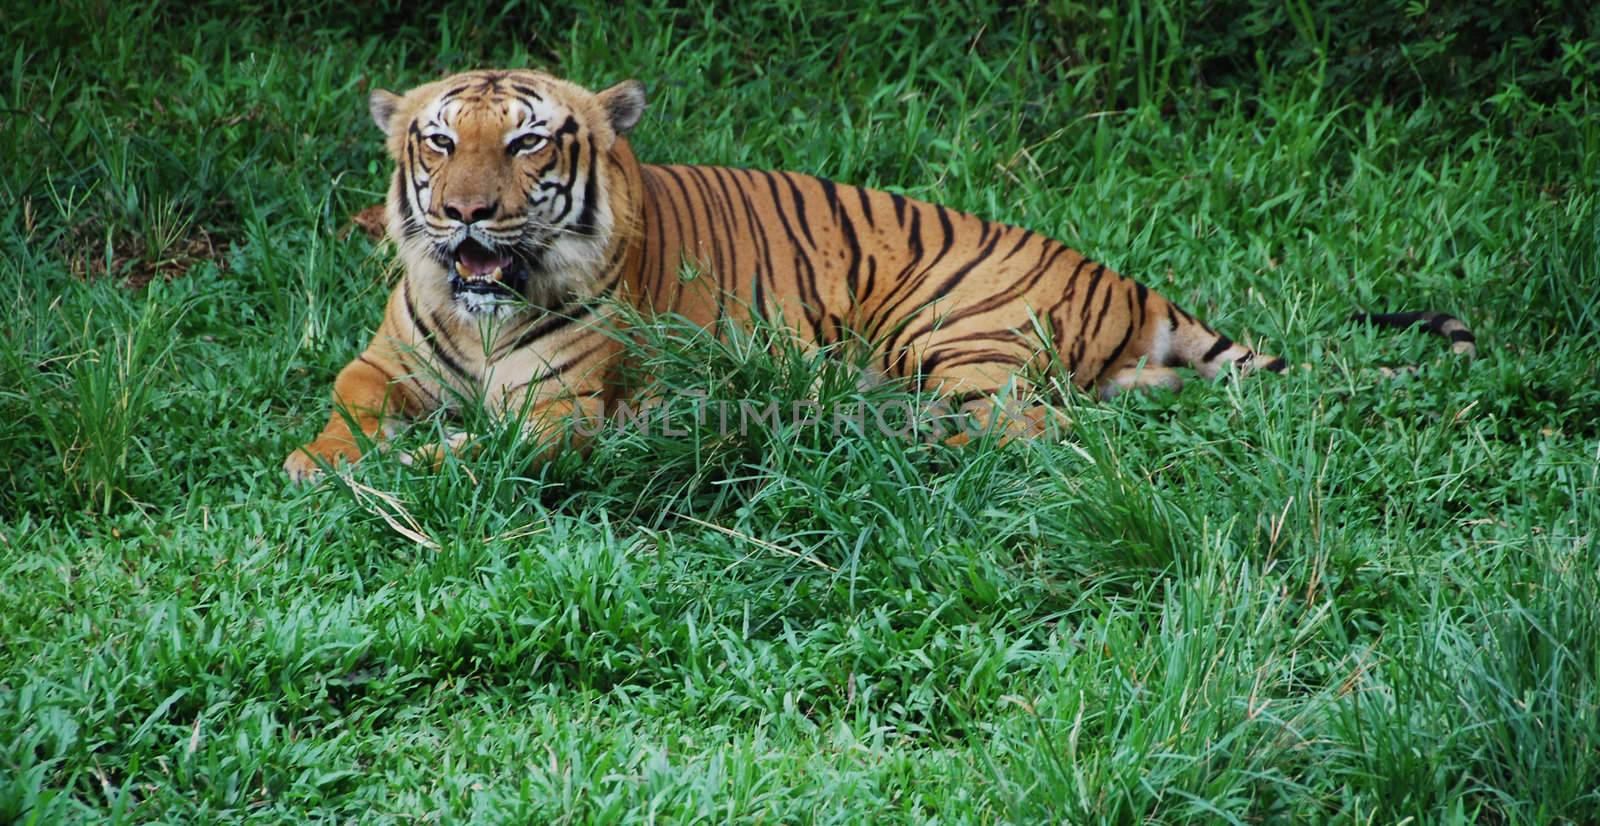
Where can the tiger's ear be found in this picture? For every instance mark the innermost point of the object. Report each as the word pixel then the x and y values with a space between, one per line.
pixel 624 105
pixel 383 104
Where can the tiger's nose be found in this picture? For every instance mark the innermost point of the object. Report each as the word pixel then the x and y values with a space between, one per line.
pixel 473 210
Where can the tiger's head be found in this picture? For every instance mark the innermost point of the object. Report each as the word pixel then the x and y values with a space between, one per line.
pixel 499 194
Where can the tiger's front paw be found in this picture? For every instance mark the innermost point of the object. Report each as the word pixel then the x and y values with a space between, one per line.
pixel 432 456
pixel 301 464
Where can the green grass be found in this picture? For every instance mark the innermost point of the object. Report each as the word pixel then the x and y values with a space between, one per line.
pixel 1322 596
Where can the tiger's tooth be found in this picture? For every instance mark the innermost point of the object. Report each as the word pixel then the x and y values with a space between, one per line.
pixel 462 269
pixel 495 276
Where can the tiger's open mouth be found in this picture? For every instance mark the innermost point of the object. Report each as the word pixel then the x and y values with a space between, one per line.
pixel 479 270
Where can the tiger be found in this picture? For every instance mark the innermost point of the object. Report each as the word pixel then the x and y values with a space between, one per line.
pixel 522 219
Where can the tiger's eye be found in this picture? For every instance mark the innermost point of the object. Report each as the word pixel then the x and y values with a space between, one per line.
pixel 526 144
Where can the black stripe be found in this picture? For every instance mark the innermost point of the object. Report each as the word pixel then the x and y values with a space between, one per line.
pixel 764 268
pixel 866 206
pixel 848 229
pixel 899 202
pixel 1017 289
pixel 374 365
pixel 725 204
pixel 912 286
pixel 652 206
pixel 959 275
pixel 1080 347
pixel 1023 237
pixel 1127 336
pixel 585 224
pixel 1390 319
pixel 730 211
pixel 1432 321
pixel 683 233
pixel 407 211
pixel 719 268
pixel 799 207
pixel 720 220
pixel 563 367
pixel 690 242
pixel 413 160
pixel 952 357
pixel 428 336
pixel 949 237
pixel 1222 343
pixel 572 173
pixel 554 320
pixel 1088 295
pixel 968 396
pixel 888 308
pixel 802 263
pixel 1105 307
pixel 1058 314
pixel 538 174
pixel 830 193
pixel 443 333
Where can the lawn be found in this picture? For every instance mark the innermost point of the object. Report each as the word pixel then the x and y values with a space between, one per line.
pixel 1327 595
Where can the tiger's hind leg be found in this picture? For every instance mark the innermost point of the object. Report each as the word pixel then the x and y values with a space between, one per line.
pixel 1222 354
pixel 1140 378
pixel 991 396
pixel 1182 340
pixel 1010 418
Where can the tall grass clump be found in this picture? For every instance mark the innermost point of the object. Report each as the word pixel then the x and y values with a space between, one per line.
pixel 94 395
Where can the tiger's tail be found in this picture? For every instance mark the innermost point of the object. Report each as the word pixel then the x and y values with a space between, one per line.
pixel 1462 342
pixel 1184 341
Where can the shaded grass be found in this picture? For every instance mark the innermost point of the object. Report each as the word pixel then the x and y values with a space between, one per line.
pixel 1320 596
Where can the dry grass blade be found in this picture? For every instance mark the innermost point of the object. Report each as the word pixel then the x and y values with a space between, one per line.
pixel 388 507
pixel 759 543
